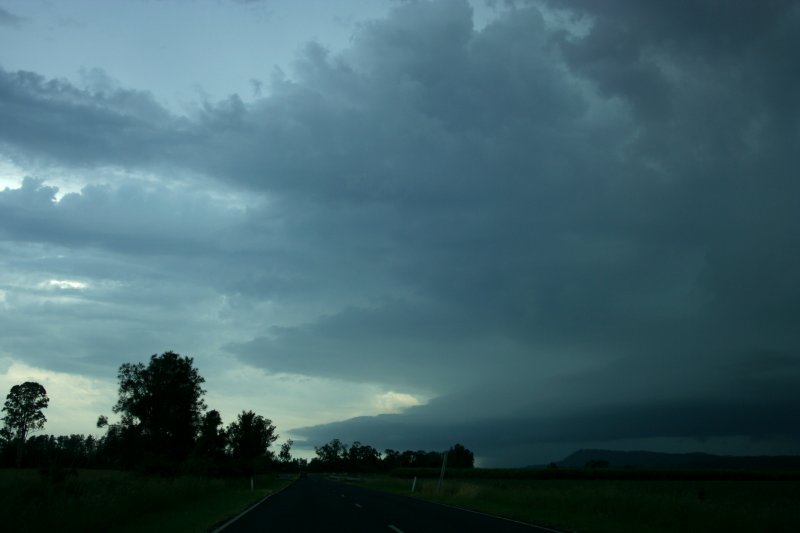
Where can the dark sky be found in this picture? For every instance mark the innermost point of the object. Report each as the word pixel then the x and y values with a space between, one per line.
pixel 528 227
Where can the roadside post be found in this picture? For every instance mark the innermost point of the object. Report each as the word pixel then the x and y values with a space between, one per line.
pixel 441 474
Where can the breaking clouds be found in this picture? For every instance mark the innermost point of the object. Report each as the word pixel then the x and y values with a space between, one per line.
pixel 575 224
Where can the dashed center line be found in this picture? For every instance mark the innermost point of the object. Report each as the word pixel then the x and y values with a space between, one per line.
pixel 359 506
pixel 395 529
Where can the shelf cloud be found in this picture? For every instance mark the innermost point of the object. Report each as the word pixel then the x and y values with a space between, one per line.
pixel 573 223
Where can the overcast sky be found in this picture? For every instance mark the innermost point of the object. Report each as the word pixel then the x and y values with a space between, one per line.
pixel 528 226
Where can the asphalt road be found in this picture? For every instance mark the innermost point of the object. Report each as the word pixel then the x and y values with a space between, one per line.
pixel 316 504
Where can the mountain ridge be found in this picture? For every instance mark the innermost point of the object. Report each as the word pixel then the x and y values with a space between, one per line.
pixel 687 461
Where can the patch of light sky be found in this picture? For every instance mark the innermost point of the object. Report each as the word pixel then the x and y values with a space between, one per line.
pixel 12 175
pixel 63 284
pixel 72 396
pixel 182 51
pixel 69 181
pixel 323 399
pixel 77 400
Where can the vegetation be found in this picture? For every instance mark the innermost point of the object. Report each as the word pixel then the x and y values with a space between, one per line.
pixel 161 407
pixel 335 456
pixel 630 474
pixel 249 437
pixel 103 500
pixel 620 506
pixel 23 413
pixel 285 455
pixel 164 429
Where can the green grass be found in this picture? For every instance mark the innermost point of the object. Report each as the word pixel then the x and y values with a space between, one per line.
pixel 621 506
pixel 122 501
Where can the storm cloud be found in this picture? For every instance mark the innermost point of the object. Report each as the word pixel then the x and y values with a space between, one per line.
pixel 574 223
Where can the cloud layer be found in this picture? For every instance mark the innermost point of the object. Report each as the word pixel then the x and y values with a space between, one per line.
pixel 575 224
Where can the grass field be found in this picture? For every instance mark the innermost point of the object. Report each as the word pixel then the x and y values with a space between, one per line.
pixel 621 506
pixel 122 501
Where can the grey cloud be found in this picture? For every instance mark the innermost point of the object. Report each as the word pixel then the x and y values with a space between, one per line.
pixel 55 121
pixel 682 244
pixel 300 140
pixel 647 253
pixel 756 408
pixel 128 218
pixel 517 441
pixel 408 344
pixel 9 19
pixel 148 259
pixel 660 56
pixel 447 207
pixel 125 310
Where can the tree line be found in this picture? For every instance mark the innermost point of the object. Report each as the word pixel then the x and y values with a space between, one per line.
pixel 335 456
pixel 165 427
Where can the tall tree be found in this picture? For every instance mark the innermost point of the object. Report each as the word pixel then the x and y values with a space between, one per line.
pixel 250 437
pixel 209 455
pixel 460 457
pixel 23 409
pixel 211 441
pixel 286 451
pixel 162 403
pixel 331 456
pixel 363 457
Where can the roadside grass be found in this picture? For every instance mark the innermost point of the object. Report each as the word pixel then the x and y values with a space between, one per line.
pixel 124 501
pixel 620 506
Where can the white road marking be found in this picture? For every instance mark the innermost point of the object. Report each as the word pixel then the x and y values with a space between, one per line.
pixel 359 506
pixel 259 502
pixel 542 528
pixel 395 529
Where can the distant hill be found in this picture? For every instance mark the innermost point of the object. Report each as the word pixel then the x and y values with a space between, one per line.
pixel 680 461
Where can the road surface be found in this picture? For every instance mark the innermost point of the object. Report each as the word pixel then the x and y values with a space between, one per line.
pixel 316 504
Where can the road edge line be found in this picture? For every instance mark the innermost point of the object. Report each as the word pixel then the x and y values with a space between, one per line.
pixel 259 502
pixel 473 511
pixel 545 528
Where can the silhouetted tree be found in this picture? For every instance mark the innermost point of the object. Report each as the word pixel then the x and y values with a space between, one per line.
pixel 336 456
pixel 363 458
pixel 330 456
pixel 160 406
pixel 391 459
pixel 211 441
pixel 249 439
pixel 23 408
pixel 41 450
pixel 120 447
pixel 7 452
pixel 460 457
pixel 285 454
pixel 74 451
pixel 209 455
pixel 412 459
pixel 57 456
pixel 421 459
pixel 408 458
